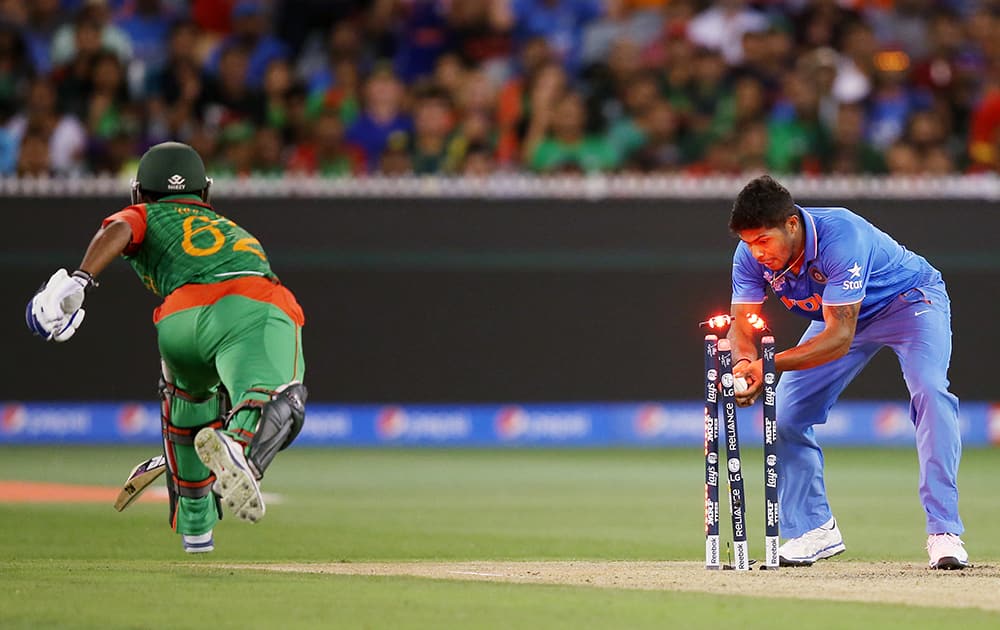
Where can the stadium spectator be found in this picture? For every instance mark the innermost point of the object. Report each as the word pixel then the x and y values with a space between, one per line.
pixel 660 151
pixel 721 26
pixel 937 161
pixel 37 22
pixel 711 99
pixel 514 99
pixel 752 145
pixel 677 74
pixel 73 77
pixel 16 69
pixel 851 153
pixel 607 83
pixel 822 23
pixel 902 159
pixel 42 117
pixel 276 89
pixel 107 102
pixel 237 150
pixel 474 133
pixel 449 74
pixel 252 33
pixel 395 158
pixel 479 41
pixel 147 25
pixel 560 22
pixel 33 159
pixel 214 17
pixel 383 115
pixel 477 93
pixel 984 140
pixel 798 141
pixel 666 83
pixel 335 81
pixel 324 152
pixel 628 131
pixel 477 161
pixel 856 66
pixel 95 14
pixel 418 33
pixel 433 119
pixel 228 97
pixel 819 67
pixel 268 153
pixel 638 22
pixel 564 146
pixel 178 91
pixel 893 101
pixel 903 24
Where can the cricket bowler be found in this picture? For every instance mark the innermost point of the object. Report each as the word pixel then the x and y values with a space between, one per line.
pixel 863 291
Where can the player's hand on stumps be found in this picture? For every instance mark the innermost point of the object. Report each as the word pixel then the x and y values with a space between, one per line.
pixel 747 381
pixel 55 312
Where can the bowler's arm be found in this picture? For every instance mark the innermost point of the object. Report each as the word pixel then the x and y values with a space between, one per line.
pixel 830 344
pixel 741 333
pixel 741 338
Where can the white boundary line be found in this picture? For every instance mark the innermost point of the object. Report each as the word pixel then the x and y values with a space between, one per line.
pixel 519 186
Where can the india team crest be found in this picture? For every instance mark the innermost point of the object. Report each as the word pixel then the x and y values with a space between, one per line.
pixel 817 275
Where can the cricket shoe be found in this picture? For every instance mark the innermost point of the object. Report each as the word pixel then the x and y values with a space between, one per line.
pixel 234 481
pixel 198 543
pixel 816 544
pixel 947 551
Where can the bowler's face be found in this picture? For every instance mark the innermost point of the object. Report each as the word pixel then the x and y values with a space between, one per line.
pixel 772 247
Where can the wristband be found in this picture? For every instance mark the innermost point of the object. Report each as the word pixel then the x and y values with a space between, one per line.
pixel 742 359
pixel 88 280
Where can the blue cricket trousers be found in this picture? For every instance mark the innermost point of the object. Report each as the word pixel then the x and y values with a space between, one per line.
pixel 917 326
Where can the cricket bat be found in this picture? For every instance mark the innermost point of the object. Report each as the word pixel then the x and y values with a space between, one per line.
pixel 139 479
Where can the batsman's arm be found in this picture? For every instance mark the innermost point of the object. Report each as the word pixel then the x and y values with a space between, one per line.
pixel 108 243
pixel 830 344
pixel 56 311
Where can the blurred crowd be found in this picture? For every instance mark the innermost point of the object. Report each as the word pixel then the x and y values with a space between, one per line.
pixel 351 87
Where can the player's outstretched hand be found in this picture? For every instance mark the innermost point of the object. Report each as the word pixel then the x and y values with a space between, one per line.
pixel 55 312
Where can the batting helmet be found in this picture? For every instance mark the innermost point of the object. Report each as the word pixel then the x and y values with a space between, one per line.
pixel 170 168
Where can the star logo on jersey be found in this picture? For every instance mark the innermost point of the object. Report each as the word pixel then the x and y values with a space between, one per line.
pixel 175 182
pixel 855 270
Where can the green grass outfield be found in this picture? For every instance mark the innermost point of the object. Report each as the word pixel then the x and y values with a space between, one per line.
pixel 85 565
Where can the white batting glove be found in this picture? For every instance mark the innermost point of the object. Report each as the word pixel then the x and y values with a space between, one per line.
pixel 55 312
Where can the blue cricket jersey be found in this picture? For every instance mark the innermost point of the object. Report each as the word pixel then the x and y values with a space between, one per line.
pixel 847 260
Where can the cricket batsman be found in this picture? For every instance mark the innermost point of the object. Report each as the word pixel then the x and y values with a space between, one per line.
pixel 229 335
pixel 863 291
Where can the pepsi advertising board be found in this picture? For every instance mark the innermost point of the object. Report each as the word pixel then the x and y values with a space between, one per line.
pixel 550 425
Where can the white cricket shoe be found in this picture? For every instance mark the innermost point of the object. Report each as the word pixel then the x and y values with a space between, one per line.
pixel 198 543
pixel 234 482
pixel 816 544
pixel 947 551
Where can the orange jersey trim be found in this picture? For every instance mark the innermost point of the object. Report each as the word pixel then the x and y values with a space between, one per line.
pixel 135 216
pixel 253 287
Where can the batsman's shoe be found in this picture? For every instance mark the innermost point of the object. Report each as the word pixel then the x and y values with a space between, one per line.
pixel 816 544
pixel 234 482
pixel 198 543
pixel 947 551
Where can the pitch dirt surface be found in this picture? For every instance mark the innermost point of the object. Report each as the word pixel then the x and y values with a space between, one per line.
pixel 873 582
